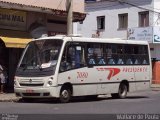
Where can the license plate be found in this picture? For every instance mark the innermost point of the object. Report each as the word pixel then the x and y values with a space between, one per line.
pixel 29 91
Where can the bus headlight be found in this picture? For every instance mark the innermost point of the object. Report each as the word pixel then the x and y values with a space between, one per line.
pixel 50 81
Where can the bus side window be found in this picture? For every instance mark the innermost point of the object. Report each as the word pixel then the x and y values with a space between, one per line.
pixel 90 58
pixel 136 62
pixel 111 61
pixel 129 61
pixel 77 58
pixel 92 61
pixel 73 57
pixel 66 61
pixel 101 61
pixel 80 57
pixel 144 62
pixel 120 61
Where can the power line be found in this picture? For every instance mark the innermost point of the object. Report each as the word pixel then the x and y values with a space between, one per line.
pixel 90 9
pixel 158 18
pixel 134 5
pixel 59 3
pixel 34 2
pixel 131 4
pixel 99 6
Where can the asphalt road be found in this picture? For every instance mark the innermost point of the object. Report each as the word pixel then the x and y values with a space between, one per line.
pixel 138 103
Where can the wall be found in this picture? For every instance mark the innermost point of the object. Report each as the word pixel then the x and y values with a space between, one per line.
pixel 42 18
pixel 35 16
pixel 156 16
pixel 59 25
pixel 111 11
pixel 155 48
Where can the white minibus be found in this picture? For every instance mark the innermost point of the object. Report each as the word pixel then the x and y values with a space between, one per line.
pixel 63 67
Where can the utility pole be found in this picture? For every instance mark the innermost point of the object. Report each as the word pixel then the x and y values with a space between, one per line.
pixel 69 9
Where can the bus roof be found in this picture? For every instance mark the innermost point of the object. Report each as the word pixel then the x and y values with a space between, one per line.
pixel 96 40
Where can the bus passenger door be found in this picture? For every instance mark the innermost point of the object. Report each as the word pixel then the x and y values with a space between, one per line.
pixel 74 70
pixel 96 67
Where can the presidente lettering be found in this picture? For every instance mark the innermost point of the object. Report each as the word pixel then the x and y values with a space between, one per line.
pixel 135 69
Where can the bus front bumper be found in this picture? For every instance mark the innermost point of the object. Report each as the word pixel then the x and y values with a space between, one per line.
pixel 51 92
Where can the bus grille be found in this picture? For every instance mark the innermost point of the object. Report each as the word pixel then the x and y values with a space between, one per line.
pixel 36 94
pixel 31 82
pixel 31 94
pixel 31 85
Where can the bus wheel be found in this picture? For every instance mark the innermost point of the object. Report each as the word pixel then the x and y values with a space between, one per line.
pixel 65 95
pixel 122 92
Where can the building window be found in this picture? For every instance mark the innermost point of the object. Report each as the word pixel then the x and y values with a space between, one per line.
pixel 100 22
pixel 143 19
pixel 123 21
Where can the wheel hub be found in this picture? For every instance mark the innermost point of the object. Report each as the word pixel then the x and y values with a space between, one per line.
pixel 65 94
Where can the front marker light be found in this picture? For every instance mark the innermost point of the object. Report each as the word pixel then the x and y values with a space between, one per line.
pixel 15 83
pixel 50 83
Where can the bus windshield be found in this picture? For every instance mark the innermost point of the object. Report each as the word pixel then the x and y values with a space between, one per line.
pixel 40 54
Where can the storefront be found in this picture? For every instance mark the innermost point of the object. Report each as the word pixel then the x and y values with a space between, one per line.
pixel 11 48
pixel 21 24
pixel 13 39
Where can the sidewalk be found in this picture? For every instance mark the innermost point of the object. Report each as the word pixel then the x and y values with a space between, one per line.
pixel 155 87
pixel 10 97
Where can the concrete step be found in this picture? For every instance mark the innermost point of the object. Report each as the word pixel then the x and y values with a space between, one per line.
pixel 155 87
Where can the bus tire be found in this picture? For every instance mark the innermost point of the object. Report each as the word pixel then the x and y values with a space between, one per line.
pixel 65 95
pixel 122 92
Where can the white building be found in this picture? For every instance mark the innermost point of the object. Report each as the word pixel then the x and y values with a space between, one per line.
pixel 127 19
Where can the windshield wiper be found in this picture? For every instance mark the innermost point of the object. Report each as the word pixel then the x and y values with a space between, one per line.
pixel 38 66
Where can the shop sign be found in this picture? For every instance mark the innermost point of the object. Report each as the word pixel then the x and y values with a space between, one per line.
pixel 12 19
pixel 144 34
pixel 156 35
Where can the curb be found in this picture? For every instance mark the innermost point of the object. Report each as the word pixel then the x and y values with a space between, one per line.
pixel 155 87
pixel 9 100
